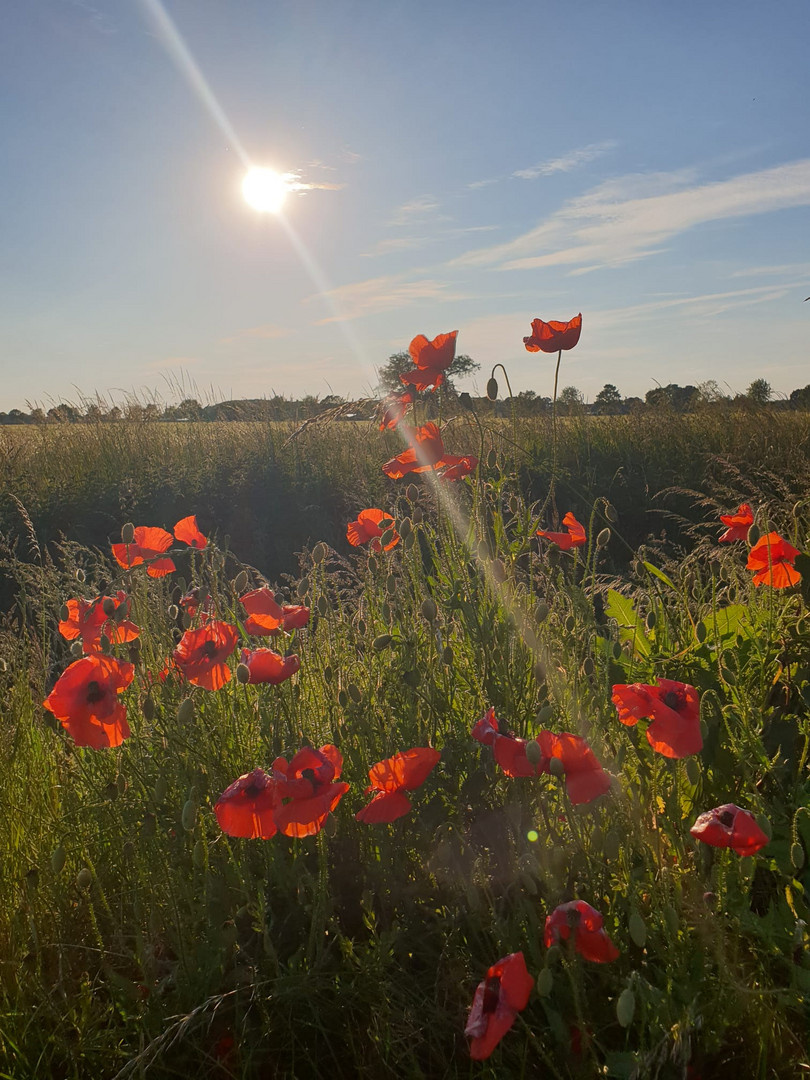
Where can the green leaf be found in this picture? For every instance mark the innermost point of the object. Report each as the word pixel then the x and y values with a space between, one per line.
pixel 659 574
pixel 724 623
pixel 631 627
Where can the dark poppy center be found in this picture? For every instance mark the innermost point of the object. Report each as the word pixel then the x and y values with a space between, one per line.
pixel 674 699
pixel 492 992
pixel 726 819
pixel 209 650
pixel 95 692
pixel 308 774
pixel 253 790
pixel 503 728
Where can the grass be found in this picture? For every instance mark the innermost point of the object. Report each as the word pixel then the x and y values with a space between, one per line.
pixel 137 939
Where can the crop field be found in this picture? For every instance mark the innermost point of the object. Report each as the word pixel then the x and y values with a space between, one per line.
pixel 481 753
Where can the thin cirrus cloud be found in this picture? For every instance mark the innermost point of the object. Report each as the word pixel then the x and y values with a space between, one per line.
pixel 565 163
pixel 382 294
pixel 629 218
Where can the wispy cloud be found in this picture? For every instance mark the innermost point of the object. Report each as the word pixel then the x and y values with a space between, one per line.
pixel 705 305
pixel 383 294
pixel 414 243
pixel 785 270
pixel 631 217
pixel 423 208
pixel 567 162
pixel 265 332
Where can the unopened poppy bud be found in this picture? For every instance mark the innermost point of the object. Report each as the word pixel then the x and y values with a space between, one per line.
pixel 148 708
pixel 121 612
pixel 173 611
pixel 328 674
pixel 447 655
pixel 58 859
pixel 121 783
pixel 80 575
pixel 514 504
pixel 492 389
pixel 539 671
pixel 587 667
pixel 797 855
pixel 322 605
pixel 541 611
pixel 188 817
pixel 76 648
pixel 84 878
pixel 382 641
pixel 242 674
pixel 603 538
pixel 418 515
pixel 302 589
pixel 240 582
pixel 556 767
pixel 405 528
pixel 128 533
pixel 343 699
pixel 64 613
pixel 534 755
pixel 428 609
pixel 355 693
pixel 361 627
pixel 570 624
pixel 411 492
pixel 753 535
pixel 651 620
pixel 104 643
pixel 319 552
pixel 545 982
pixel 185 711
pixel 412 678
pixel 553 954
pixel 545 714
pixel 108 606
pixel 626 1007
pixel 387 537
pixel 391 585
pixel 492 459
pixel 610 513
pixel 373 564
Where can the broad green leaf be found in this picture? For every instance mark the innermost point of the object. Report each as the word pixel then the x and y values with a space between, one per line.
pixel 659 574
pixel 724 623
pixel 631 627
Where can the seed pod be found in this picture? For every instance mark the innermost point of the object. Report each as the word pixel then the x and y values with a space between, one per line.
pixel 545 982
pixel 322 605
pixel 626 1007
pixel 603 538
pixel 242 674
pixel 319 552
pixel 638 929
pixel 58 859
pixel 382 641
pixel 447 655
pixel 428 609
pixel 534 755
pixel 405 528
pixel 84 878
pixel 492 459
pixel 355 693
pixel 492 389
pixel 753 534
pixel 189 816
pixel 128 533
pixel 108 606
pixel 418 515
pixel 185 711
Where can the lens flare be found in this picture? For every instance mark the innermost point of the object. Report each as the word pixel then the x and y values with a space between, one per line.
pixel 265 189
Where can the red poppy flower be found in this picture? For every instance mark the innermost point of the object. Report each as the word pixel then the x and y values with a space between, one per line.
pixel 463 467
pixel 370 526
pixel 674 709
pixel 266 666
pixel 390 779
pixel 294 616
pixel 485 729
pixel 590 939
pixel 575 537
pixel 308 781
pixel 265 616
pixel 147 547
pixel 247 808
pixel 550 337
pixel 738 524
pixel 771 559
pixel 194 601
pixel 426 453
pixel 497 1001
pixel 432 359
pixel 85 700
pixel 730 826
pixel 186 532
pixel 201 654
pixel 585 779
pixel 395 407
pixel 88 620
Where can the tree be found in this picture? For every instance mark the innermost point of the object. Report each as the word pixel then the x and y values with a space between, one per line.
pixel 759 392
pixel 608 400
pixel 401 362
pixel 800 398
pixel 571 399
pixel 672 396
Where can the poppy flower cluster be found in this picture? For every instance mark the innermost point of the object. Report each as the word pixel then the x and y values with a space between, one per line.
pixel 771 559
pixel 574 537
pixel 394 408
pixel 426 453
pixel 581 923
pixel 729 826
pixel 268 618
pixel 673 709
pixel 149 543
pixel 266 666
pixel 431 360
pixel 89 619
pixel 370 525
pixel 585 779
pixel 390 779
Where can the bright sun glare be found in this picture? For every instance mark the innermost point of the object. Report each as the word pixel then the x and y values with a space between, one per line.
pixel 265 190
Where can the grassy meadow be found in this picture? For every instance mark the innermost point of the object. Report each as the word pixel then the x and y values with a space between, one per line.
pixel 139 939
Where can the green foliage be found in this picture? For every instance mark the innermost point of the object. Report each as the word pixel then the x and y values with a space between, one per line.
pixel 400 363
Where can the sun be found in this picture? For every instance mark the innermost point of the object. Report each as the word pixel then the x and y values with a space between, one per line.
pixel 265 190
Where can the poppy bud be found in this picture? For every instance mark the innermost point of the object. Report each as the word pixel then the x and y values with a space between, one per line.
pixel 361 627
pixel 553 954
pixel 391 585
pixel 626 1007
pixel 570 624
pixel 428 609
pixel 327 674
pixel 319 552
pixel 492 459
pixel 302 589
pixel 492 389
pixel 556 767
pixel 404 529
pixel 161 789
pixel 242 674
pixel 104 643
pixel 447 655
pixel 382 641
pixel 173 611
pixel 387 537
pixel 80 575
pixel 108 606
pixel 610 513
pixel 411 678
pixel 189 815
pixel 148 709
pixel 64 613
pixel 638 929
pixel 121 783
pixel 587 667
pixel 541 611
pixel 84 878
pixel 728 676
pixel 534 755
pixel 545 714
pixel 797 855
pixel 372 564
pixel 343 699
pixel 355 693
pixel 418 515
pixel 411 492
pixel 410 539
pixel 651 620
pixel 128 533
pixel 58 859
pixel 545 982
pixel 76 648
pixel 753 535
pixel 240 582
pixel 322 605
pixel 603 538
pixel 185 711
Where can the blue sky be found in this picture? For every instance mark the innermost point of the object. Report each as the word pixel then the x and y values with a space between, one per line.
pixel 465 166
